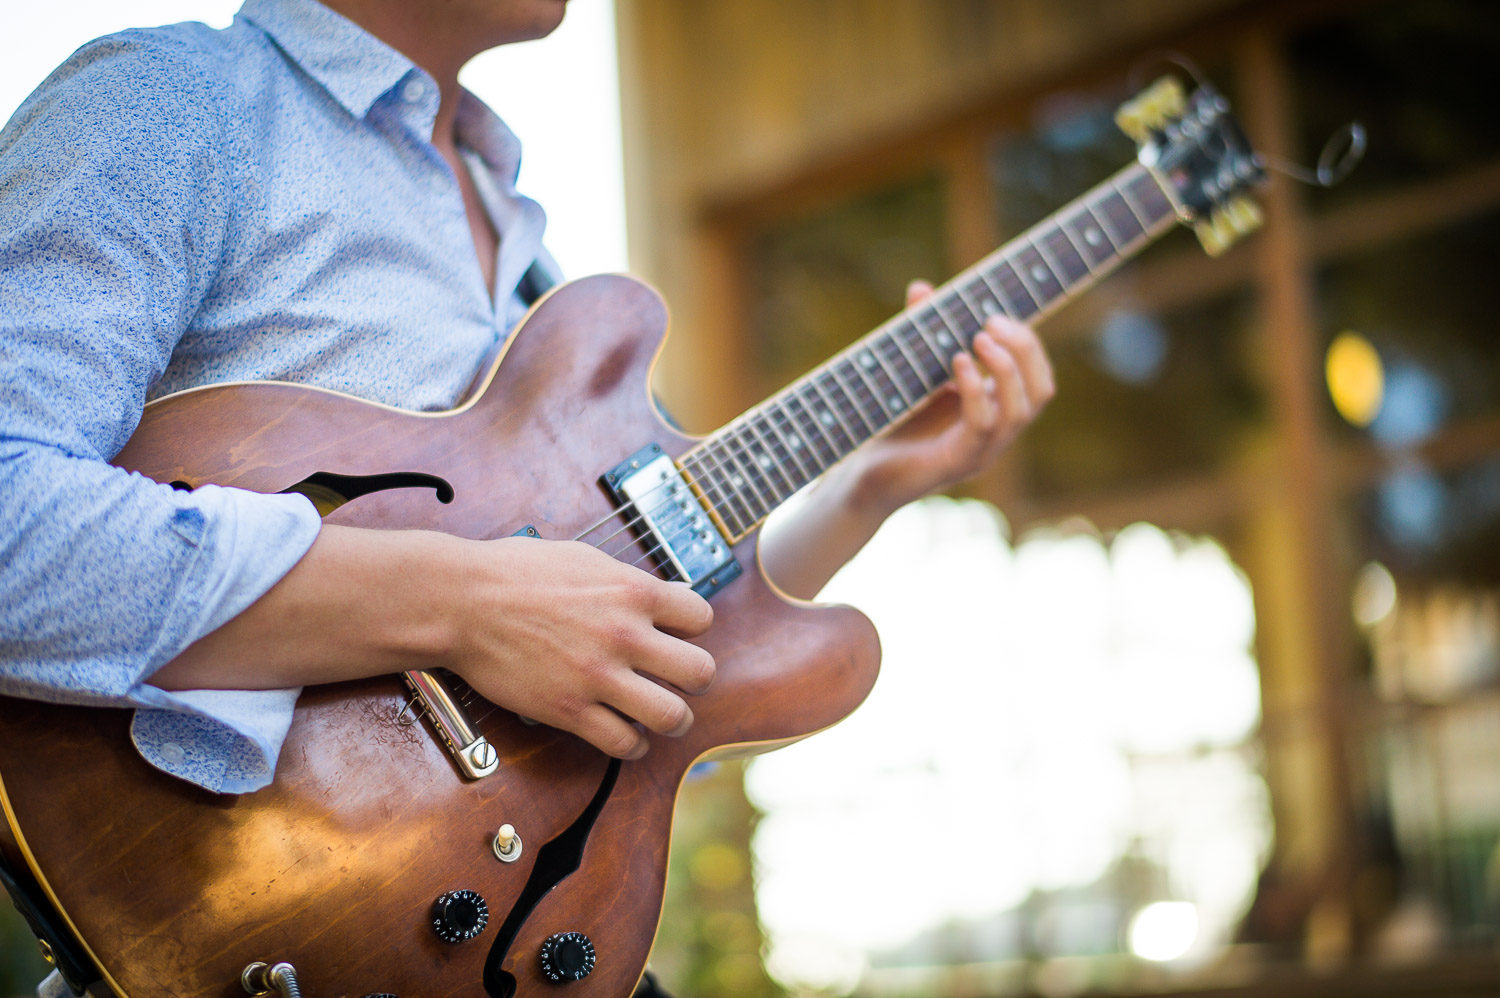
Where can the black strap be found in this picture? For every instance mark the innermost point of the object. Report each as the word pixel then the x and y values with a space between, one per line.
pixel 68 955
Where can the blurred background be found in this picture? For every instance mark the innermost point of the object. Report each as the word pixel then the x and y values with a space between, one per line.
pixel 1198 691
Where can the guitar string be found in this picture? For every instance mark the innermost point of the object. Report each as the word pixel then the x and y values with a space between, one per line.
pixel 697 459
pixel 715 495
pixel 864 389
pixel 860 399
pixel 693 463
pixel 664 542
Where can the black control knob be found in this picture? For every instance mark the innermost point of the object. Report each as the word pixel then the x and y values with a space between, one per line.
pixel 567 956
pixel 459 915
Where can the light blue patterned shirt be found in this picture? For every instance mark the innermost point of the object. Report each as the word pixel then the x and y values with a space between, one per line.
pixel 181 206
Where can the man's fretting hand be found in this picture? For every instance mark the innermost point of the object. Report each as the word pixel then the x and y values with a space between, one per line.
pixel 997 390
pixel 569 636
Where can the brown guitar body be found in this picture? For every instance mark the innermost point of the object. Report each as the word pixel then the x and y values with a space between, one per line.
pixel 335 866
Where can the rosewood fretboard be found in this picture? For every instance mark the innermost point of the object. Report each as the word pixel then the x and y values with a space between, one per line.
pixel 753 464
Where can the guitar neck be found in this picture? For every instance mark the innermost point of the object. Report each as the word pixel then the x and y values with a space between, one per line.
pixel 754 463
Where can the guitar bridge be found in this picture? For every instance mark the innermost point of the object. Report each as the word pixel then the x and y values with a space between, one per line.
pixel 471 751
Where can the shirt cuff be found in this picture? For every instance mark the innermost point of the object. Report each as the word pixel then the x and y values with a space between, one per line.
pixel 227 741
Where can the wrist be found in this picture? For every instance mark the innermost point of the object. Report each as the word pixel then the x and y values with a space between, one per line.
pixel 868 489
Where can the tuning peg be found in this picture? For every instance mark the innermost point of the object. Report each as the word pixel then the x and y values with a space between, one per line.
pixel 1244 214
pixel 1149 110
pixel 1215 233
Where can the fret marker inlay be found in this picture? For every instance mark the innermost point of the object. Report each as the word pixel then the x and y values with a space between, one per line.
pixel 1093 236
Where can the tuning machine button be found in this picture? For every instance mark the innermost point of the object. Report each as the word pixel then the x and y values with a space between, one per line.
pixel 459 915
pixel 567 956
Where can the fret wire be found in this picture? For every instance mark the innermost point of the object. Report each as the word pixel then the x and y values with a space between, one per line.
pixel 818 431
pixel 816 443
pixel 1125 196
pixel 1098 223
pixel 857 397
pixel 1050 284
pixel 893 365
pixel 927 385
pixel 791 448
pixel 1119 238
pixel 874 393
pixel 752 470
pixel 1054 253
pixel 1003 299
pixel 960 340
pixel 1082 254
pixel 1147 190
pixel 898 402
pixel 770 463
pixel 831 370
pixel 978 312
pixel 1016 288
pixel 1025 283
pixel 1051 265
pixel 945 362
pixel 736 486
pixel 989 302
pixel 833 410
pixel 729 508
pixel 910 335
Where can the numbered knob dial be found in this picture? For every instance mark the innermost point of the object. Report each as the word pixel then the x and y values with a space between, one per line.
pixel 567 956
pixel 459 915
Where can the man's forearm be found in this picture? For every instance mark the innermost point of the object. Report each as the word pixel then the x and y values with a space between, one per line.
pixel 801 551
pixel 359 603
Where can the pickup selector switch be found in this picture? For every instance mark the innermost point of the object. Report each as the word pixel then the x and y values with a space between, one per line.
pixel 567 956
pixel 459 916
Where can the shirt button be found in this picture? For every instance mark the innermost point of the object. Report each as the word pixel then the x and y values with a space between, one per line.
pixel 172 754
pixel 413 91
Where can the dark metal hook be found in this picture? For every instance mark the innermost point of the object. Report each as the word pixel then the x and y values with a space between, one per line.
pixel 1341 154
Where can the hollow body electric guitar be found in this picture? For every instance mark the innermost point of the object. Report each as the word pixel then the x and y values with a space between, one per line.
pixel 411 847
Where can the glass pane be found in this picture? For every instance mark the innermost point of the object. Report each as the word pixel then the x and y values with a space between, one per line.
pixel 1071 145
pixel 1413 74
pixel 822 281
pixel 1426 305
pixel 1148 396
pixel 1428 603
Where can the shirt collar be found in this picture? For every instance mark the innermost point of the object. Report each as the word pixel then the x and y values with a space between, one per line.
pixel 481 130
pixel 352 64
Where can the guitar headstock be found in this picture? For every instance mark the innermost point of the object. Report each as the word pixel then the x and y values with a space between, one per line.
pixel 1202 157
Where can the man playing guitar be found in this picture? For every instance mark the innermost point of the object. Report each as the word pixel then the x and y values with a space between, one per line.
pixel 309 195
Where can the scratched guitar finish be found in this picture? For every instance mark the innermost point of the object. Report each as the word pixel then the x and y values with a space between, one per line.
pixel 337 865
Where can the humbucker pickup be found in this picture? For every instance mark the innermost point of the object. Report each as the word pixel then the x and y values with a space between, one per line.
pixel 670 520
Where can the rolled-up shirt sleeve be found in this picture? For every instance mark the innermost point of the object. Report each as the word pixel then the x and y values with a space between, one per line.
pixel 116 199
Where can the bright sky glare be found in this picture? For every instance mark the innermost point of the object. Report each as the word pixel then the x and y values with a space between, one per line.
pixel 1043 709
pixel 560 95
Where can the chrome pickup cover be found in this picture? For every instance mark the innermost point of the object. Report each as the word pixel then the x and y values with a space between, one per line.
pixel 671 521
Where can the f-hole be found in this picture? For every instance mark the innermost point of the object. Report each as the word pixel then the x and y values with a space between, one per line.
pixel 328 490
pixel 554 862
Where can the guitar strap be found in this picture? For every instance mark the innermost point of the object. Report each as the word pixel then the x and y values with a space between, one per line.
pixel 537 281
pixel 61 948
